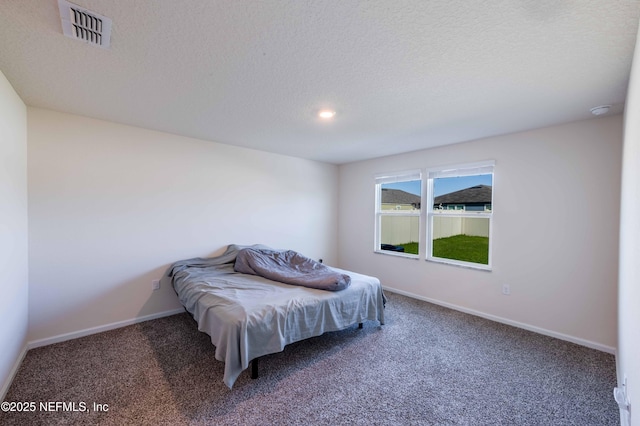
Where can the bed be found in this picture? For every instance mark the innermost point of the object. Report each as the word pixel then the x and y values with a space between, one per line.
pixel 248 316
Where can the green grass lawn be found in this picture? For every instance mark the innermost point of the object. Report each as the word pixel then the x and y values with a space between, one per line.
pixel 463 247
pixel 411 248
pixel 459 247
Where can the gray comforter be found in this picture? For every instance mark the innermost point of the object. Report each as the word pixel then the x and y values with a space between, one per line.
pixel 248 316
pixel 290 267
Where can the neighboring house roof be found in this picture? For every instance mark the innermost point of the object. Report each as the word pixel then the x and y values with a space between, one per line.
pixel 480 194
pixel 398 196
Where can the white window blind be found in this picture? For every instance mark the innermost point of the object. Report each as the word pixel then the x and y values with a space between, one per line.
pixel 481 168
pixel 398 177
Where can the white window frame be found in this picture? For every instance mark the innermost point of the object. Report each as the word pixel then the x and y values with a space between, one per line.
pixel 469 169
pixel 404 176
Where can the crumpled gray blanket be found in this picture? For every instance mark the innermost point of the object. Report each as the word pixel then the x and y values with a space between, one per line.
pixel 289 267
pixel 229 256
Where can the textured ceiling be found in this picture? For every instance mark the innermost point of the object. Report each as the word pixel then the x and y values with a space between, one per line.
pixel 402 75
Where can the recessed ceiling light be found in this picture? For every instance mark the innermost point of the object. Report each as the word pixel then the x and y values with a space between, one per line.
pixel 326 114
pixel 599 110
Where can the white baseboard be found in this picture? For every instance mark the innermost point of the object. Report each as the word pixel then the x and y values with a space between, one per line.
pixel 12 373
pixel 561 336
pixel 74 335
pixel 94 330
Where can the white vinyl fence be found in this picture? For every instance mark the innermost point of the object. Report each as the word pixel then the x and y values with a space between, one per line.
pixel 400 229
pixel 405 229
pixel 444 227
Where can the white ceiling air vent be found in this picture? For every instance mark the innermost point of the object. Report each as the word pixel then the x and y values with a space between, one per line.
pixel 85 25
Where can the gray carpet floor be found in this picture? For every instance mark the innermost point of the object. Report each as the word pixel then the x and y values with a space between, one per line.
pixel 427 365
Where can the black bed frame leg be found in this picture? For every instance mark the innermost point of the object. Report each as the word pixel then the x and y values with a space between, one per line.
pixel 254 368
pixel 360 325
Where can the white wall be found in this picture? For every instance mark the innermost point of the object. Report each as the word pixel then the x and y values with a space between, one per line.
pixel 13 232
pixel 629 286
pixel 555 230
pixel 111 206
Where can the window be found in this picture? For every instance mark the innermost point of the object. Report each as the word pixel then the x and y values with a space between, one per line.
pixel 398 212
pixel 459 215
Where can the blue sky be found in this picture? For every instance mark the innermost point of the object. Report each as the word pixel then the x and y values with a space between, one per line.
pixel 443 186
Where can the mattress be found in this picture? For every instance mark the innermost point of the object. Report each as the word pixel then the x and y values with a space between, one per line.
pixel 249 316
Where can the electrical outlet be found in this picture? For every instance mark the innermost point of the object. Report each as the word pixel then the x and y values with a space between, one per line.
pixel 155 285
pixel 506 290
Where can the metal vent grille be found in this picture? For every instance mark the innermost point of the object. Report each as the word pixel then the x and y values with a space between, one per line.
pixel 82 24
